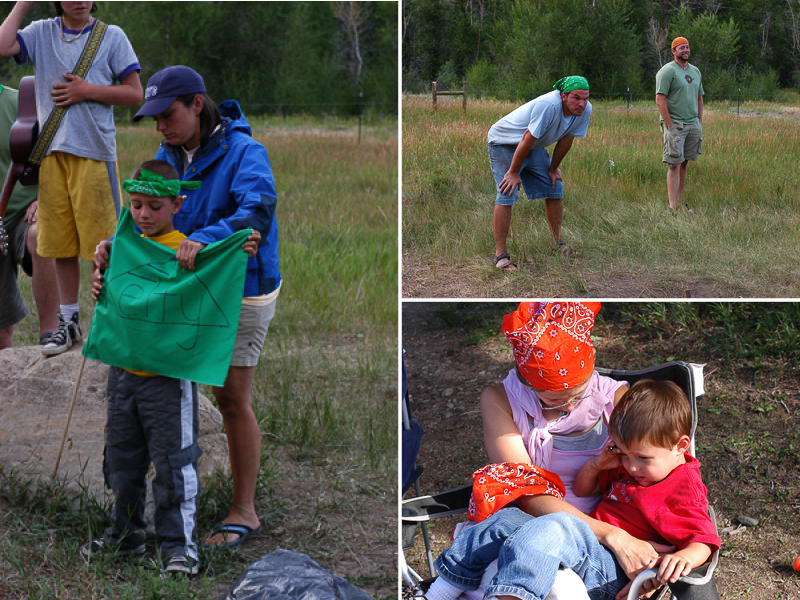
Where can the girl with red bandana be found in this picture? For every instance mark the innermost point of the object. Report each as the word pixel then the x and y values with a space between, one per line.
pixel 552 411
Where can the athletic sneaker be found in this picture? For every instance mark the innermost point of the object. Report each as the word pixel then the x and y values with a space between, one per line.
pixel 178 563
pixel 135 545
pixel 64 336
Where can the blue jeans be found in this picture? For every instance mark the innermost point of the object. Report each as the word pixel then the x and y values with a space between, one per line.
pixel 528 563
pixel 534 174
pixel 530 551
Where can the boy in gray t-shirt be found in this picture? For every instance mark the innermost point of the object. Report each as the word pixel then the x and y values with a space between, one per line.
pixel 78 183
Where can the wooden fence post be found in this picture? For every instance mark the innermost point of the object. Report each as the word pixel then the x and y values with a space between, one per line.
pixel 465 97
pixel 434 96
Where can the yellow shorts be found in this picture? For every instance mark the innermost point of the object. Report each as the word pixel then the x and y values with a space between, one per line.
pixel 79 202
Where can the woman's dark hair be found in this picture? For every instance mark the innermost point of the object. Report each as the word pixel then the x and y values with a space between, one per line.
pixel 209 116
pixel 56 6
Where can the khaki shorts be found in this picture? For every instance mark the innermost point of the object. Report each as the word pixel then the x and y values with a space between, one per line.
pixel 79 202
pixel 253 324
pixel 682 142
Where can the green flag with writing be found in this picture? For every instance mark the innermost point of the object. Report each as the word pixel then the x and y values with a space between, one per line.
pixel 156 317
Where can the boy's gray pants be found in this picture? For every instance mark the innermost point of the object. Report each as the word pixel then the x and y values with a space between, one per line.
pixel 153 419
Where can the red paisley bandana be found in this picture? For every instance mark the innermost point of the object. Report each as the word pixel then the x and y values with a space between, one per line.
pixel 494 486
pixel 552 343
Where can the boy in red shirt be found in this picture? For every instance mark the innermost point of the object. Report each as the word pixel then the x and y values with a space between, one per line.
pixel 652 489
pixel 652 486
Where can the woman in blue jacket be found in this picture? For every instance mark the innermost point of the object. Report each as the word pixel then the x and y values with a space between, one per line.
pixel 215 145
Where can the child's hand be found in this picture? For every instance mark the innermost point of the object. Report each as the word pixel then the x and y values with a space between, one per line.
pixel 75 90
pixel 648 589
pixel 101 254
pixel 609 458
pixel 97 284
pixel 187 252
pixel 252 243
pixel 673 567
pixel 31 213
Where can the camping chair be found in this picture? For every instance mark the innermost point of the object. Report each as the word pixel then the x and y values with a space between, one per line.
pixel 424 508
pixel 412 434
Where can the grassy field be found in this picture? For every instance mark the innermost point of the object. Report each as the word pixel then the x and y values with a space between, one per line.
pixel 325 391
pixel 742 239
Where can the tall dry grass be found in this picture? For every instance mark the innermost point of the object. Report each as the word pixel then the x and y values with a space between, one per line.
pixel 742 239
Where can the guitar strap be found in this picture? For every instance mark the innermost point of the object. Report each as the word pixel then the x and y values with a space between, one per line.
pixel 48 131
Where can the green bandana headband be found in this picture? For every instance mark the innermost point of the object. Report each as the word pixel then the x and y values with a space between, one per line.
pixel 573 82
pixel 153 184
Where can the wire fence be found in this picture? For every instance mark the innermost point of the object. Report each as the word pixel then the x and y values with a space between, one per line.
pixel 351 114
pixel 285 109
pixel 437 91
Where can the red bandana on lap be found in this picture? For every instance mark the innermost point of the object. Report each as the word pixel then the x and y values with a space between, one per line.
pixel 495 486
pixel 552 342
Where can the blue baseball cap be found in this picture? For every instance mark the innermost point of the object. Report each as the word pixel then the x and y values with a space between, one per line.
pixel 164 87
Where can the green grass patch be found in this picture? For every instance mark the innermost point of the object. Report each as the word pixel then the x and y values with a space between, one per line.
pixel 742 239
pixel 325 388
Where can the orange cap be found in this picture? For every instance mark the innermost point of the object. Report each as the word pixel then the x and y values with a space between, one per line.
pixel 552 343
pixel 678 41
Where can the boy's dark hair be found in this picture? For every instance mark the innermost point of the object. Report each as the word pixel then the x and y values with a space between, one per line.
pixel 653 412
pixel 209 116
pixel 159 167
pixel 56 6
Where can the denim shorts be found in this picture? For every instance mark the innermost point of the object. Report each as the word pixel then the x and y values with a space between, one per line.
pixel 534 173
pixel 682 142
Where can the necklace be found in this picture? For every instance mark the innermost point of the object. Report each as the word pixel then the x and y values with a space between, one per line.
pixel 80 33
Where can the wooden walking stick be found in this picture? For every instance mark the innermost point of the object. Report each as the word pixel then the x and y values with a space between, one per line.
pixel 69 415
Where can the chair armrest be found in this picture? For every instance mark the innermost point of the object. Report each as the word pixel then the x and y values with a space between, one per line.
pixel 699 576
pixel 443 504
pixel 633 592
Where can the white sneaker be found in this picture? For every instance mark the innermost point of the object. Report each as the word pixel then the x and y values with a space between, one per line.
pixel 182 564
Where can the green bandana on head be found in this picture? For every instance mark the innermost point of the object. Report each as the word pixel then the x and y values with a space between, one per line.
pixel 573 82
pixel 153 184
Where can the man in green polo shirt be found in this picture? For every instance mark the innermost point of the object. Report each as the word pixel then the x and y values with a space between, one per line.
pixel 679 97
pixel 20 223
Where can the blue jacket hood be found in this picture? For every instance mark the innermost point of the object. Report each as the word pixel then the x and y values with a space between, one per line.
pixel 233 118
pixel 237 192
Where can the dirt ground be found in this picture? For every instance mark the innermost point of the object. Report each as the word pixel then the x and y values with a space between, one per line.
pixel 453 353
pixel 440 278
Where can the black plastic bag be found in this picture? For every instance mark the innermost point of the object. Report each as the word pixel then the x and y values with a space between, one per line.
pixel 288 575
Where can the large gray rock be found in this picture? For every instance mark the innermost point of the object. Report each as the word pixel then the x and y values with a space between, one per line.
pixel 35 394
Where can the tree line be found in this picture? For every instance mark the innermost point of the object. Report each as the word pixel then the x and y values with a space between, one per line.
pixel 308 57
pixel 517 49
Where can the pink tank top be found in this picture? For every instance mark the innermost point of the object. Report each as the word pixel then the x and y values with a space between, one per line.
pixel 537 433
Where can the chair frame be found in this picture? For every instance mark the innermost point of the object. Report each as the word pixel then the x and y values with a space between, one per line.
pixel 421 509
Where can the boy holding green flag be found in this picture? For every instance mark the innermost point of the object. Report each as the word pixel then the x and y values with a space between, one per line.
pixel 153 417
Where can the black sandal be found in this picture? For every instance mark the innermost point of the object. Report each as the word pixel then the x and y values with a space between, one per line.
pixel 561 247
pixel 509 266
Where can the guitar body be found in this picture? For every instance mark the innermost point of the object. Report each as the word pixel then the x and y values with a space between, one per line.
pixel 25 131
pixel 22 140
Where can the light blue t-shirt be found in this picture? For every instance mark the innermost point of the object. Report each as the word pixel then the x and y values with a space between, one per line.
pixel 544 118
pixel 87 129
